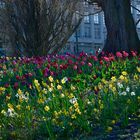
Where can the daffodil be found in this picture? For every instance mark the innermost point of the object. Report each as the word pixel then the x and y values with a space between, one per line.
pixel 36 82
pixel 124 73
pixel 19 91
pixel 138 69
pixel 18 107
pixel 113 121
pixel 46 108
pixel 122 77
pixel 113 78
pixel 59 87
pixel 50 78
pixel 109 129
pixel 72 88
pixel 3 112
pixel 62 95
pixel 64 80
pixel 73 116
pixel 10 106
pixel 2 89
pixel 44 84
pixel 28 107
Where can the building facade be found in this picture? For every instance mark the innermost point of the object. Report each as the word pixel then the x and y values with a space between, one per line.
pixel 89 37
pixel 91 34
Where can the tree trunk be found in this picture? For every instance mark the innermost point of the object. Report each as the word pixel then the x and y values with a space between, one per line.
pixel 121 29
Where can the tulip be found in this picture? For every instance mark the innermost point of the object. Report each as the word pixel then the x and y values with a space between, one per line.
pixel 125 54
pixel 15 85
pixel 75 67
pixel 89 64
pixel 118 54
pixel 106 59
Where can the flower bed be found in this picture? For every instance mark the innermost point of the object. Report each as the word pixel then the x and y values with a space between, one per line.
pixel 67 96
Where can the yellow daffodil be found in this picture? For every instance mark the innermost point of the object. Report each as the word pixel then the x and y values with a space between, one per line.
pixel 114 89
pixel 73 116
pixel 64 80
pixel 18 107
pixel 109 129
pixel 95 110
pixel 36 82
pixel 40 101
pixel 10 106
pixel 104 81
pixel 19 91
pixel 110 86
pixel 2 89
pixel 122 77
pixel 50 78
pixel 100 86
pixel 44 84
pixel 62 95
pixel 101 106
pixel 28 107
pixel 138 69
pixel 70 109
pixel 59 87
pixel 124 73
pixel 3 112
pixel 46 108
pixel 136 77
pixel 78 111
pixel 76 105
pixel 113 121
pixel 72 88
pixel 8 98
pixel 113 78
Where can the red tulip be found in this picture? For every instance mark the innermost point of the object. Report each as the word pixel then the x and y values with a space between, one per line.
pixel 15 85
pixel 80 71
pixel 18 77
pixel 101 62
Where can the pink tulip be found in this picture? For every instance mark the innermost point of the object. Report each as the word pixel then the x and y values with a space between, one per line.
pixel 75 67
pixel 106 59
pixel 89 64
pixel 125 54
pixel 134 53
pixel 118 54
pixel 82 63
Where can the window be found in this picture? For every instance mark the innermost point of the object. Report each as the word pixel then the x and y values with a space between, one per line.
pixel 103 20
pixel 96 18
pixel 138 7
pixel 86 17
pixel 2 4
pixel 138 25
pixel 97 33
pixel 87 33
pixel 131 10
pixel 85 4
pixel 78 32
